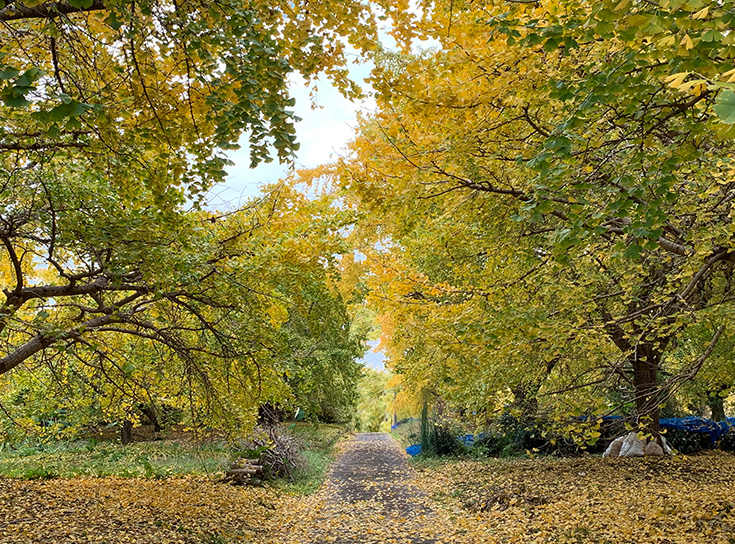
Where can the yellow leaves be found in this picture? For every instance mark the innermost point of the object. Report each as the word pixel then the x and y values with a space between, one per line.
pixel 730 75
pixel 277 314
pixel 695 86
pixel 701 14
pixel 687 42
pixel 185 510
pixel 587 501
pixel 676 79
pixel 666 42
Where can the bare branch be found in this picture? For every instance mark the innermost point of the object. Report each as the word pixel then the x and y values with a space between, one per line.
pixel 43 340
pixel 48 10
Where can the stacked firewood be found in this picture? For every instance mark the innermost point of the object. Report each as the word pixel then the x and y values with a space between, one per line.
pixel 244 471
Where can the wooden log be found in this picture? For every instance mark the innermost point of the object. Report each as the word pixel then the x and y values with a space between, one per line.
pixel 243 461
pixel 248 470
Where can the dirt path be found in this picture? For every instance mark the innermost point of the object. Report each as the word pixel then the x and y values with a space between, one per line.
pixel 369 497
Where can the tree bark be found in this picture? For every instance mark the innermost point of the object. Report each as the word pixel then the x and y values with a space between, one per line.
pixel 46 10
pixel 126 432
pixel 43 341
pixel 717 405
pixel 151 414
pixel 645 363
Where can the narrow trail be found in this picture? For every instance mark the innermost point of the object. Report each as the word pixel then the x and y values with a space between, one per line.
pixel 369 497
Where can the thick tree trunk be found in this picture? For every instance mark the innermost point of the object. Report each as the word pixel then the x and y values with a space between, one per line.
pixel 645 382
pixel 524 398
pixel 716 405
pixel 150 413
pixel 126 432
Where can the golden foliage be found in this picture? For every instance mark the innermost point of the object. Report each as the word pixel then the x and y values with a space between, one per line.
pixel 582 501
pixel 180 510
pixel 590 500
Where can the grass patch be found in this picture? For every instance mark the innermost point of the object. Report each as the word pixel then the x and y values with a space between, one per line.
pixel 162 459
pixel 158 459
pixel 319 451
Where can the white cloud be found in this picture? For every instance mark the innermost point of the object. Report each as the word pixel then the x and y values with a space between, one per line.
pixel 324 129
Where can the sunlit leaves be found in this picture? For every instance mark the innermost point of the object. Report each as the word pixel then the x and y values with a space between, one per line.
pixel 537 180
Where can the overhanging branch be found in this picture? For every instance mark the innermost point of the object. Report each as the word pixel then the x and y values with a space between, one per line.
pixel 48 10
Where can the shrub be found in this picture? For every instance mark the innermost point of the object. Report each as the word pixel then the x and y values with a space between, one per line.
pixel 436 439
pixel 728 441
pixel 439 441
pixel 687 442
pixel 490 444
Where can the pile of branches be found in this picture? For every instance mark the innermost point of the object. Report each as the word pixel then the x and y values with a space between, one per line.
pixel 274 451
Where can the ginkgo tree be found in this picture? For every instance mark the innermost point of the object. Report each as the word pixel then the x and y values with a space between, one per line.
pixel 222 315
pixel 115 118
pixel 548 199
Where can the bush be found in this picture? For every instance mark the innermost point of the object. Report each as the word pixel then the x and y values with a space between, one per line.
pixel 439 441
pixel 525 435
pixel 687 442
pixel 728 441
pixel 490 444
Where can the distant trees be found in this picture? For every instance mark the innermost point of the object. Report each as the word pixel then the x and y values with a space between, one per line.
pixel 373 406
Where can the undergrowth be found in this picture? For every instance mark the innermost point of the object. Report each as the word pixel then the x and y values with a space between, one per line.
pixel 161 459
pixel 319 442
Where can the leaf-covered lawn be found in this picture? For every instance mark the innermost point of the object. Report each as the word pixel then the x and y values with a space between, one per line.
pixel 148 492
pixel 573 501
pixel 191 509
pixel 89 458
pixel 590 500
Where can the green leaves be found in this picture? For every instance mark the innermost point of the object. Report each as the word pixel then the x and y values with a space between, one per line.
pixel 8 72
pixel 81 4
pixel 725 106
pixel 633 251
pixel 15 91
pixel 113 21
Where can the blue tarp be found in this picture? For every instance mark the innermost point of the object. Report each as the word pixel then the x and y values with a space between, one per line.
pixel 401 422
pixel 694 424
pixel 715 429
pixel 467 439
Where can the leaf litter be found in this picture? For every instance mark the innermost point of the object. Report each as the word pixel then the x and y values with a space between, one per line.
pixel 374 496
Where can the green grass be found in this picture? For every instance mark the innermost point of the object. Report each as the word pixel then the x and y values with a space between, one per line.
pixel 161 459
pixel 92 458
pixel 319 441
pixel 408 433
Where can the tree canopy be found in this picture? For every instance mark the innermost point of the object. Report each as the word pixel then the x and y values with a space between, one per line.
pixel 547 200
pixel 118 289
pixel 541 205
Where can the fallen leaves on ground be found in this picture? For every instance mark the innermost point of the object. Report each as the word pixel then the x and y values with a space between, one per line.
pixel 590 500
pixel 130 510
pixel 372 496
